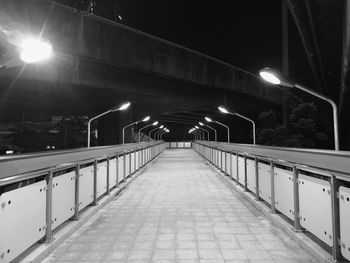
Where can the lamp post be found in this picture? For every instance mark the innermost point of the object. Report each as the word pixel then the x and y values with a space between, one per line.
pixel 203 132
pixel 207 132
pixel 153 124
pixel 196 134
pixel 215 133
pixel 134 123
pixel 228 129
pixel 124 106
pixel 150 133
pixel 225 111
pixel 274 77
pixel 155 135
pixel 167 131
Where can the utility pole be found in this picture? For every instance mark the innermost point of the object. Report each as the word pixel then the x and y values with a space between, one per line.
pixel 285 62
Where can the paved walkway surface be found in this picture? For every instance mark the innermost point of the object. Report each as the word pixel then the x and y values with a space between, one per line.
pixel 179 211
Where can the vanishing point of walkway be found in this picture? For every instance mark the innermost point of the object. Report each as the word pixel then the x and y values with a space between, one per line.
pixel 178 210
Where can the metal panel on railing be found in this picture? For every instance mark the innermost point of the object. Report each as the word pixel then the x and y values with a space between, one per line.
pixel 315 207
pixel 121 168
pixel 223 161
pixel 188 145
pixel 251 179
pixel 173 145
pixel 344 213
pixel 284 199
pixel 63 198
pixel 112 172
pixel 101 178
pixel 264 182
pixel 228 164
pixel 22 217
pixel 167 145
pixel 234 166
pixel 86 186
pixel 181 145
pixel 132 156
pixel 127 165
pixel 137 156
pixel 241 170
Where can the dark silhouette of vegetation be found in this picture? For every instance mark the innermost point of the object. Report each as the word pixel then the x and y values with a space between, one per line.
pixel 304 130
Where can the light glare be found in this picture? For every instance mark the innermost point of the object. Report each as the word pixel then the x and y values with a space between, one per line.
pixel 222 109
pixel 201 123
pixel 125 106
pixel 208 119
pixel 270 77
pixel 155 123
pixel 146 119
pixel 35 50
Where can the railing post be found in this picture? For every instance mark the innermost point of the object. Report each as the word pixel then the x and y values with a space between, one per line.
pixel 272 176
pixel 130 171
pixel 107 189
pixel 135 154
pixel 95 183
pixel 231 164
pixel 335 219
pixel 297 226
pixel 225 162
pixel 245 174
pixel 76 193
pixel 48 233
pixel 257 189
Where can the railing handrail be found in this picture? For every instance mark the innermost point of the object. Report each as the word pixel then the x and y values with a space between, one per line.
pixel 41 161
pixel 335 162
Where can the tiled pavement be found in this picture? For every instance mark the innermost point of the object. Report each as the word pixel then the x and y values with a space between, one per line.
pixel 178 211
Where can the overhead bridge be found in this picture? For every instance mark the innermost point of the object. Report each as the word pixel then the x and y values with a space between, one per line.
pixel 171 202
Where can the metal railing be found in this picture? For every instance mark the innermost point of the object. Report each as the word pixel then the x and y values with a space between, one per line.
pixel 39 192
pixel 311 188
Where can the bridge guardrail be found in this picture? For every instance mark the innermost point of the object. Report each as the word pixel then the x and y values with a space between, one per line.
pixel 176 145
pixel 310 188
pixel 39 192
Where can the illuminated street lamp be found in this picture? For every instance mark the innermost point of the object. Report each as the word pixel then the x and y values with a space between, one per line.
pixel 215 134
pixel 122 107
pixel 167 131
pixel 156 134
pixel 150 133
pixel 274 77
pixel 153 124
pixel 225 111
pixel 202 133
pixel 228 129
pixel 194 132
pixel 35 50
pixel 147 118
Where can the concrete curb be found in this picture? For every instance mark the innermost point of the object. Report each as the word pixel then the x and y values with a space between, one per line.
pixel 305 242
pixel 40 251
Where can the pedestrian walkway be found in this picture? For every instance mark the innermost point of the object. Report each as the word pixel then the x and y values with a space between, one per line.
pixel 179 210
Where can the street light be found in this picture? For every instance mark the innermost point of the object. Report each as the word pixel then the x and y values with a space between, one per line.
pixel 150 132
pixel 134 123
pixel 35 50
pixel 155 135
pixel 274 77
pixel 228 129
pixel 208 133
pixel 153 124
pixel 215 134
pixel 167 131
pixel 225 111
pixel 122 107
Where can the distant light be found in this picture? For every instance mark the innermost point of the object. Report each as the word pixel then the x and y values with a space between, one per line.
pixel 9 152
pixel 146 119
pixel 270 77
pixel 201 123
pixel 161 127
pixel 35 51
pixel 125 106
pixel 208 119
pixel 196 127
pixel 120 18
pixel 155 123
pixel 164 129
pixel 222 109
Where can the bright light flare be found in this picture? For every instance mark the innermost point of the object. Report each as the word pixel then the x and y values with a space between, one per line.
pixel 155 123
pixel 270 77
pixel 146 119
pixel 161 127
pixel 201 123
pixel 125 106
pixel 35 51
pixel 222 109
pixel 208 119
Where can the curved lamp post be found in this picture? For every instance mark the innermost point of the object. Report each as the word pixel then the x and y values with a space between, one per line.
pixel 274 77
pixel 134 123
pixel 228 129
pixel 206 131
pixel 150 132
pixel 160 134
pixel 153 124
pixel 195 133
pixel 225 111
pixel 156 134
pixel 201 131
pixel 215 133
pixel 167 131
pixel 124 106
